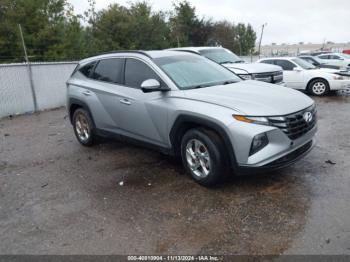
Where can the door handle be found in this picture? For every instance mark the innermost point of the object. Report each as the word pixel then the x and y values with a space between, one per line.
pixel 87 93
pixel 125 101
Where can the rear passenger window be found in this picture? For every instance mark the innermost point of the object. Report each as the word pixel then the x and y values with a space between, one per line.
pixel 286 65
pixel 109 70
pixel 136 72
pixel 86 70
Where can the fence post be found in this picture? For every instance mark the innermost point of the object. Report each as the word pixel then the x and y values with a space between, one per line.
pixel 29 69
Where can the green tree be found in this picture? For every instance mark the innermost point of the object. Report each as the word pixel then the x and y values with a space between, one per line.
pixel 136 27
pixel 245 38
pixel 222 34
pixel 182 23
pixel 44 24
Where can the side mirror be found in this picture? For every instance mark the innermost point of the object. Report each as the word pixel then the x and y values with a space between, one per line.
pixel 151 85
pixel 297 69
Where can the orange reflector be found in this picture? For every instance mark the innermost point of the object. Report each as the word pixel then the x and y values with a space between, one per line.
pixel 242 119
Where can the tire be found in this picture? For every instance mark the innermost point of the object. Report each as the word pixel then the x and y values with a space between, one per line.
pixel 318 87
pixel 206 162
pixel 84 127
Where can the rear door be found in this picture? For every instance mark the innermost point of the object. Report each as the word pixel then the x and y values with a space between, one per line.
pixel 104 92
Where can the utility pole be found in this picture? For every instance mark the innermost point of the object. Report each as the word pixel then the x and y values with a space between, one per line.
pixel 261 36
pixel 29 70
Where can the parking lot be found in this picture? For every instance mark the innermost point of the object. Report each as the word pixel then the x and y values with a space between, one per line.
pixel 58 197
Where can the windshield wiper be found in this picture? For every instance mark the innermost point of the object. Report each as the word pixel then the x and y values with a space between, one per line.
pixel 226 62
pixel 228 82
pixel 199 86
pixel 238 62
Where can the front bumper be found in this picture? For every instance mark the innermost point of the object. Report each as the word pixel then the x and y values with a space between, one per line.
pixel 339 84
pixel 281 162
pixel 281 84
pixel 281 151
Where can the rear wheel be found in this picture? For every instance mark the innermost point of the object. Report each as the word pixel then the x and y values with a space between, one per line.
pixel 203 156
pixel 83 127
pixel 318 87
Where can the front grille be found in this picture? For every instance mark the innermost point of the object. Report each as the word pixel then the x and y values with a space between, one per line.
pixel 294 125
pixel 270 77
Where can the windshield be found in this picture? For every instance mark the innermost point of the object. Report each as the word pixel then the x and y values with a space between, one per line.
pixel 303 64
pixel 221 56
pixel 193 71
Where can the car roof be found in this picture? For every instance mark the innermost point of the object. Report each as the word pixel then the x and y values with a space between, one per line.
pixel 195 49
pixel 150 54
pixel 279 57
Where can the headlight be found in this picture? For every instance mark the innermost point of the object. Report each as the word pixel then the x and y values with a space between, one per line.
pixel 338 77
pixel 258 143
pixel 246 77
pixel 260 120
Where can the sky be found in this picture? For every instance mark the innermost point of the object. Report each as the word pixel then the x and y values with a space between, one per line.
pixel 287 21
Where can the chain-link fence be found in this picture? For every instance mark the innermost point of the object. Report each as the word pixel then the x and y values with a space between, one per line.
pixel 20 86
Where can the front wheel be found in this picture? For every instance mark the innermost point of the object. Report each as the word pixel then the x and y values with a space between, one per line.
pixel 203 156
pixel 318 87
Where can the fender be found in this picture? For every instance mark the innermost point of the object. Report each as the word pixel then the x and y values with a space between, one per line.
pixel 79 103
pixel 184 122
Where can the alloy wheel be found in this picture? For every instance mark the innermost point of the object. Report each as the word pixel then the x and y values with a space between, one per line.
pixel 198 158
pixel 82 127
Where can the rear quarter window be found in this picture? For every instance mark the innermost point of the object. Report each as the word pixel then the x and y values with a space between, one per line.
pixel 87 69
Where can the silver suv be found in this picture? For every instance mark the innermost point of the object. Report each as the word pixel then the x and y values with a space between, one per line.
pixel 189 106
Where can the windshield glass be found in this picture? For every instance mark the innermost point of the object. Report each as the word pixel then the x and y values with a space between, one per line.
pixel 303 64
pixel 194 71
pixel 221 56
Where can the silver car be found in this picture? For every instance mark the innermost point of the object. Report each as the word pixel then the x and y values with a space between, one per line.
pixel 188 106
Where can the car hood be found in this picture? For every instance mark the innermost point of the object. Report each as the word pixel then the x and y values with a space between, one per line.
pixel 252 68
pixel 253 98
pixel 329 70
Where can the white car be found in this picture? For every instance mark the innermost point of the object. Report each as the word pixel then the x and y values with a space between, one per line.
pixel 336 59
pixel 299 74
pixel 247 71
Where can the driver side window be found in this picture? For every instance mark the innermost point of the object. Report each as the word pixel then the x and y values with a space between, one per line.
pixel 137 71
pixel 286 65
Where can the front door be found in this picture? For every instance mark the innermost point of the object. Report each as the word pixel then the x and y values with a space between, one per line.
pixel 291 77
pixel 142 115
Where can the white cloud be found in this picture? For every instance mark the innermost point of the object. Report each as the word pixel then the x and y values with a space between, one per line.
pixel 289 21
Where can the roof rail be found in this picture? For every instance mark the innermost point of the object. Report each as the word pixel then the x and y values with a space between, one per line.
pixel 127 51
pixel 188 51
